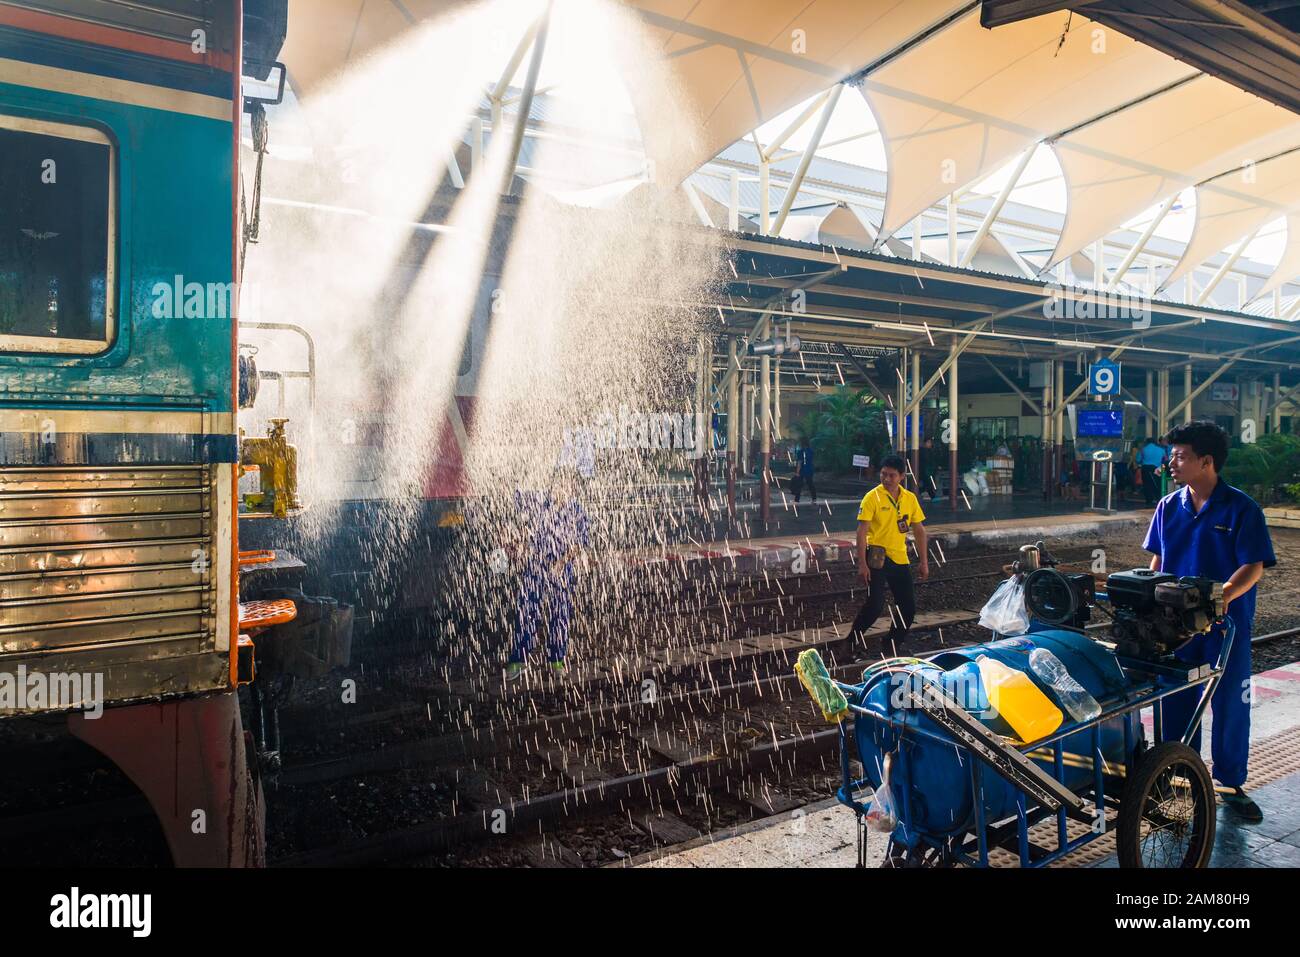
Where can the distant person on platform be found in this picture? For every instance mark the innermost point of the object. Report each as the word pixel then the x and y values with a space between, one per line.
pixel 926 487
pixel 886 515
pixel 1070 480
pixel 555 531
pixel 1210 529
pixel 1124 469
pixel 804 468
pixel 1150 459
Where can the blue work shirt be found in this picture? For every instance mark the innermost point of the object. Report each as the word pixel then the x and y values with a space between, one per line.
pixel 805 462
pixel 554 528
pixel 1228 532
pixel 1152 454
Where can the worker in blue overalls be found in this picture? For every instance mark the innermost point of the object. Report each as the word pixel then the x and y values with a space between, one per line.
pixel 555 532
pixel 1210 529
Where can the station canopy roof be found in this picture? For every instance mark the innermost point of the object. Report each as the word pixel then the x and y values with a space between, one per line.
pixel 955 101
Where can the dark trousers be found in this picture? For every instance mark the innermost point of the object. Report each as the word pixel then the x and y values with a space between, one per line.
pixel 899 579
pixel 1150 490
pixel 805 482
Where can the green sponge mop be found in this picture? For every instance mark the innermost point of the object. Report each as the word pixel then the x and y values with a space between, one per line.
pixel 820 686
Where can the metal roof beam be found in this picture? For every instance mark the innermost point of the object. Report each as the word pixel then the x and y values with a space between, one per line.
pixel 991 216
pixel 885 322
pixel 832 98
pixel 1038 409
pixel 1136 249
pixel 924 272
pixel 1201 388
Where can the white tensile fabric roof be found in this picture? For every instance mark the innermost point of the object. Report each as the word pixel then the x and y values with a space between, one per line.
pixel 1288 266
pixel 954 101
pixel 1235 205
pixel 1126 162
pixel 960 105
pixel 325 36
pixel 740 65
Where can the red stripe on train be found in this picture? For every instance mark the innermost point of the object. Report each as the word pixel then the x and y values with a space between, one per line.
pixel 55 25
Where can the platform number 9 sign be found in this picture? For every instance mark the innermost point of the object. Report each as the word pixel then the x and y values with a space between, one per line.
pixel 1103 378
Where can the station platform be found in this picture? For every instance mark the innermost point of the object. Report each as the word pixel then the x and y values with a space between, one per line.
pixel 824 834
pixel 824 533
pixel 837 511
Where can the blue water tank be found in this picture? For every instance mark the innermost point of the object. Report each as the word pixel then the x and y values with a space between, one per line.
pixel 935 778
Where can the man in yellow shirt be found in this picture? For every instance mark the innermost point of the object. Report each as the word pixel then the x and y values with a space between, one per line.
pixel 887 513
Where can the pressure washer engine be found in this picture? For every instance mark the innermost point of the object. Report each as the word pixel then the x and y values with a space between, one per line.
pixel 1154 613
pixel 1157 613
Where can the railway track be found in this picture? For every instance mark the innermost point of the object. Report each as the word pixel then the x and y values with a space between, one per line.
pixel 644 795
pixel 736 763
pixel 737 728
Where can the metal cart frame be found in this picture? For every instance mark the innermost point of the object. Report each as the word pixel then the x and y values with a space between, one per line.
pixel 1036 798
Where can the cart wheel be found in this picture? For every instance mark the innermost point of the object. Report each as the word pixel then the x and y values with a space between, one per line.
pixel 932 857
pixel 1166 817
pixel 921 856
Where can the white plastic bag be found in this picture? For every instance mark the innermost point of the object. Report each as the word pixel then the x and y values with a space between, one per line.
pixel 882 815
pixel 1005 612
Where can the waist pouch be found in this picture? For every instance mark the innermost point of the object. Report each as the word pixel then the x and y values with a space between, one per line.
pixel 875 557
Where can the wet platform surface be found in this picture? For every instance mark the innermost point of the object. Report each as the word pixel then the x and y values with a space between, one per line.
pixel 824 834
pixel 1011 520
pixel 837 511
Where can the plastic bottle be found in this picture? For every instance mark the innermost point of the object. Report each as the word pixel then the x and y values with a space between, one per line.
pixel 1017 700
pixel 1081 705
pixel 963 683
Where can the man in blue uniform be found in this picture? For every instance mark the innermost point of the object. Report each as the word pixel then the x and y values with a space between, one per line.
pixel 556 532
pixel 1210 529
pixel 1150 459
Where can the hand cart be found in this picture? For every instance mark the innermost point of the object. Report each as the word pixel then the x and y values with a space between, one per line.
pixel 1022 797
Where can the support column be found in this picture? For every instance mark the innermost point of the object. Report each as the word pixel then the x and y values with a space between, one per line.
pixel 703 388
pixel 1151 404
pixel 1276 425
pixel 525 102
pixel 914 443
pixel 777 431
pixel 1162 423
pixel 1259 407
pixel 1187 390
pixel 1046 430
pixel 900 427
pixel 1058 424
pixel 952 229
pixel 475 143
pixel 764 196
pixel 746 421
pixel 765 435
pixel 733 207
pixel 953 403
pixel 751 464
pixel 733 425
pixel 1243 402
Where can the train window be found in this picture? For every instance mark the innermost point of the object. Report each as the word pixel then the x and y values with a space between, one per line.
pixel 57 225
